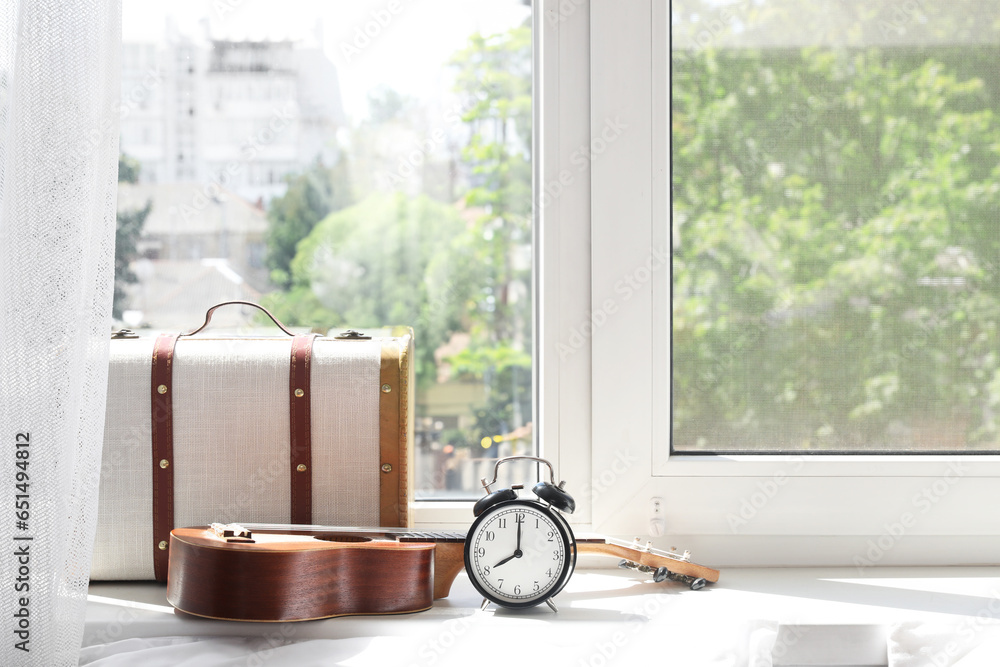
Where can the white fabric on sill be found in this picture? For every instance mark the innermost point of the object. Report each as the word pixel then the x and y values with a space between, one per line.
pixel 479 640
pixel 975 642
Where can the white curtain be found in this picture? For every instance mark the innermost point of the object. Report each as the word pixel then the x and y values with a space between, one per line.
pixel 59 90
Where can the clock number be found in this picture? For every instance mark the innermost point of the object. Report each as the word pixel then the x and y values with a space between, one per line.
pixel 537 586
pixel 555 555
pixel 490 535
pixel 486 571
pixel 552 534
pixel 501 584
pixel 548 572
pixel 517 590
pixel 480 552
pixel 537 525
pixel 519 517
pixel 502 522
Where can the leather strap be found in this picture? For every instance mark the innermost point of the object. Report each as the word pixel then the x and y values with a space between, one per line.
pixel 162 432
pixel 392 487
pixel 300 429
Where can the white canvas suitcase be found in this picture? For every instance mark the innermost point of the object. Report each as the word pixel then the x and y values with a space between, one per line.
pixel 290 429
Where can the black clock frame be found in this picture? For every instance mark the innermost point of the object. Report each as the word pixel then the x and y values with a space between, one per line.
pixel 566 533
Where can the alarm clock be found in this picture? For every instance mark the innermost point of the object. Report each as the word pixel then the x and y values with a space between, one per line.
pixel 520 551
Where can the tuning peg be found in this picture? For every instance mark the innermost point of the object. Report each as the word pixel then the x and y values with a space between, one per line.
pixel 661 574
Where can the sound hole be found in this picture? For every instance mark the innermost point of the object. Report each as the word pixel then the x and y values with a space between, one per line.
pixel 343 538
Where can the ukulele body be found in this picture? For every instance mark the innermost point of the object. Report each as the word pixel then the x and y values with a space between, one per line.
pixel 287 577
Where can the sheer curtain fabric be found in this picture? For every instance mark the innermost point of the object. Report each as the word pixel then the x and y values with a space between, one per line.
pixel 59 112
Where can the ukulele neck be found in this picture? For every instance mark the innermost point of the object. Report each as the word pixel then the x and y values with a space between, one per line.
pixel 398 534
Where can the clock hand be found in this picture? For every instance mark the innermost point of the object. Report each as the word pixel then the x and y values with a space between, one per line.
pixel 517 549
pixel 511 557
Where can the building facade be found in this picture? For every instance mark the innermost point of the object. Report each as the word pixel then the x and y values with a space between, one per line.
pixel 242 114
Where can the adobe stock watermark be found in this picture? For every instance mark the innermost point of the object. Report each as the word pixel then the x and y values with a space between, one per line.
pixel 627 287
pixel 967 637
pixel 716 26
pixel 268 642
pixel 210 192
pixel 767 489
pixel 922 502
pixel 378 20
pixel 563 11
pixel 113 629
pixel 600 483
pixel 98 135
pixel 582 157
pixel 420 150
pixel 223 7
pixel 606 652
pixel 788 637
pixel 722 363
pixel 901 15
pixel 433 649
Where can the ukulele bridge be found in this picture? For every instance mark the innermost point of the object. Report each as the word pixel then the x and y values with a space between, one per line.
pixel 233 533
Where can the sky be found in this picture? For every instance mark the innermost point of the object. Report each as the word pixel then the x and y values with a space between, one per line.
pixel 399 43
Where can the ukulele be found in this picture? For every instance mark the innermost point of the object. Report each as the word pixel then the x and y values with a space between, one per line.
pixel 274 572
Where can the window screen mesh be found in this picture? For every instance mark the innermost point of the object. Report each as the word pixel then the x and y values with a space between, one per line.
pixel 835 172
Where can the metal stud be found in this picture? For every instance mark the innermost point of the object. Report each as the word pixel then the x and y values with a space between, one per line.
pixel 162 389
pixel 386 467
pixel 301 467
pixel 162 545
pixel 299 393
pixel 386 389
pixel 164 463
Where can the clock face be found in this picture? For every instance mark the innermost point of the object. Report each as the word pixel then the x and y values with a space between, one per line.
pixel 518 554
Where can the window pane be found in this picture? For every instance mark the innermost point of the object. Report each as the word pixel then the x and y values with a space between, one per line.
pixel 348 165
pixel 835 200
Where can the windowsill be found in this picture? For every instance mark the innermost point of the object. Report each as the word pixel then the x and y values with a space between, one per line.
pixel 821 615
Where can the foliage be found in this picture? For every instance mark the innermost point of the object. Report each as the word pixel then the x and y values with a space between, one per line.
pixel 506 372
pixel 310 196
pixel 836 266
pixel 493 78
pixel 390 259
pixel 442 267
pixel 128 169
pixel 128 229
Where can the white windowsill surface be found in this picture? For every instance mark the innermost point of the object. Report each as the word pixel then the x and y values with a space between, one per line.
pixel 809 616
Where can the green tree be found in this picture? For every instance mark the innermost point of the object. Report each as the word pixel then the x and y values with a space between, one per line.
pixel 493 78
pixel 386 260
pixel 128 230
pixel 310 196
pixel 439 266
pixel 836 258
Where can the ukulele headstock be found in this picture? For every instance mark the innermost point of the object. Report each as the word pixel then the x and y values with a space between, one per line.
pixel 659 563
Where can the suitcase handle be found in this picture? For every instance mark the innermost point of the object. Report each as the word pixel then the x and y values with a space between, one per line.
pixel 208 315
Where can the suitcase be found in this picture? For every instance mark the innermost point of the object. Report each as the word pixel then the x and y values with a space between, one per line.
pixel 291 429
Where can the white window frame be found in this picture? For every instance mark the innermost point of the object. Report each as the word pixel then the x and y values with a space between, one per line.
pixel 774 510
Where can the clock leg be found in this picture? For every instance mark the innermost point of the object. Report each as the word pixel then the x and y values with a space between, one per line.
pixel 552 605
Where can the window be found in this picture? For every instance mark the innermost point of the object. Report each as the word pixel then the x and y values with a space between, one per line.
pixel 834 242
pixel 768 508
pixel 387 175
